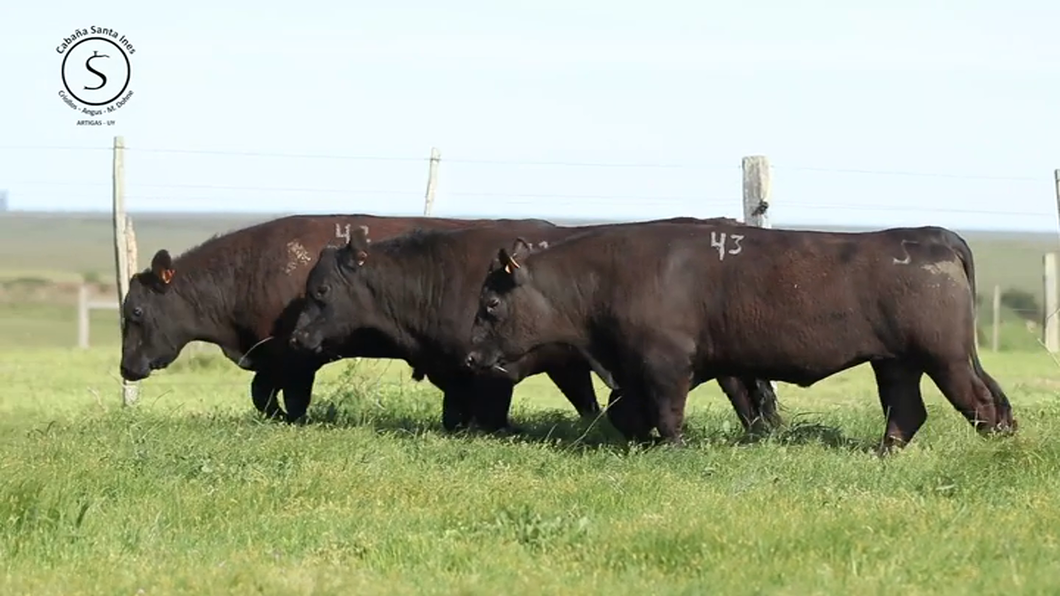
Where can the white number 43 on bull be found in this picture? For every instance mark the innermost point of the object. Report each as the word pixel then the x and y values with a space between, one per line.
pixel 719 240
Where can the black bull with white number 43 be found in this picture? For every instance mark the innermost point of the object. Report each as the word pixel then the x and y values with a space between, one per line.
pixel 418 292
pixel 665 306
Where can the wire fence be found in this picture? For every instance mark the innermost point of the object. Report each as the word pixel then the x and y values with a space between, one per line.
pixel 174 179
pixel 188 179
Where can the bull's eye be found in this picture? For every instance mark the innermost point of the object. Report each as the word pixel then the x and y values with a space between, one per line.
pixel 493 303
pixel 138 312
pixel 322 291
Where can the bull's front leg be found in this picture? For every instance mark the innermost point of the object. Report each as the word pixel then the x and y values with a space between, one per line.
pixel 456 402
pixel 666 378
pixel 670 401
pixel 264 392
pixel 491 402
pixel 627 413
pixel 298 392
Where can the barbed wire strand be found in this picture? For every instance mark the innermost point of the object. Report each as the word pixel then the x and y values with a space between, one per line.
pixel 698 166
pixel 534 198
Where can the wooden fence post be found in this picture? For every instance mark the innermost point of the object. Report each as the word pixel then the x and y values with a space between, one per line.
pixel 131 257
pixel 1052 304
pixel 82 316
pixel 757 191
pixel 1056 180
pixel 121 249
pixel 995 340
pixel 432 182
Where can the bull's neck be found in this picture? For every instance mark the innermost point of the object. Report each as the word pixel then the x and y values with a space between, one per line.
pixel 406 296
pixel 209 313
pixel 572 295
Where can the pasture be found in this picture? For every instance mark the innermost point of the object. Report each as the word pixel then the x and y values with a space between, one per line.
pixel 190 492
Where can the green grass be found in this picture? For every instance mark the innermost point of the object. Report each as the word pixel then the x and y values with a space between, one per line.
pixel 53 325
pixel 188 492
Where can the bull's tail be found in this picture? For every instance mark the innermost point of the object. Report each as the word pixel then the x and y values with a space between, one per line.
pixel 964 253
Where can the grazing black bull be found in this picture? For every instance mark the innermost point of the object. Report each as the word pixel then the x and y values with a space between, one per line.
pixel 243 290
pixel 418 293
pixel 665 305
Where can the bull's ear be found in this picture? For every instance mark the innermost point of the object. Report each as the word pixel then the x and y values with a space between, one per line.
pixel 162 267
pixel 510 258
pixel 358 246
pixel 359 238
pixel 509 263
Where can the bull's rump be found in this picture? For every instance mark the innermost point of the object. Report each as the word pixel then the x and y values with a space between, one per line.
pixel 796 306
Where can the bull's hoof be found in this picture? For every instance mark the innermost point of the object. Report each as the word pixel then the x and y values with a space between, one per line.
pixel 277 415
pixel 1004 429
pixel 506 430
pixel 675 442
pixel 890 446
pixel 453 422
pixel 761 428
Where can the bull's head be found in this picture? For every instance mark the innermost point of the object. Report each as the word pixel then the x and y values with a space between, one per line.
pixel 153 320
pixel 509 313
pixel 333 301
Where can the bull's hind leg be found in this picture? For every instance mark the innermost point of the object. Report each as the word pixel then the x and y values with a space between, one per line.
pixel 754 402
pixel 898 383
pixel 576 384
pixel 966 391
pixel 264 389
pixel 764 399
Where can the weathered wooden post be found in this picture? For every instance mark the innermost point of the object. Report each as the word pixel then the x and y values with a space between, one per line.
pixel 432 181
pixel 1051 324
pixel 757 191
pixel 122 249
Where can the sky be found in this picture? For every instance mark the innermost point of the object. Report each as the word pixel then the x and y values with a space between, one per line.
pixel 871 114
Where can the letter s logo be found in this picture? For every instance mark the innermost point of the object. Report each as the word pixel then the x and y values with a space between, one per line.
pixel 88 65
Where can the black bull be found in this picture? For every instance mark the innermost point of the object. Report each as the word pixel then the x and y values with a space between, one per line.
pixel 663 306
pixel 243 290
pixel 418 293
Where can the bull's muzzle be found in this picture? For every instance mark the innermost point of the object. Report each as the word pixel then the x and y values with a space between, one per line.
pixel 475 360
pixel 301 340
pixel 472 359
pixel 134 374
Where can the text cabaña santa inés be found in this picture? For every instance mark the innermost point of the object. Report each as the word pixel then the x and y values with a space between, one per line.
pixel 96 31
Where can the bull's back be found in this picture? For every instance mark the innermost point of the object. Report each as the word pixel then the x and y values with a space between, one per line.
pixel 776 295
pixel 285 250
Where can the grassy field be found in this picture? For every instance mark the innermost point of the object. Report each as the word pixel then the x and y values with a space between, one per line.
pixel 188 492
